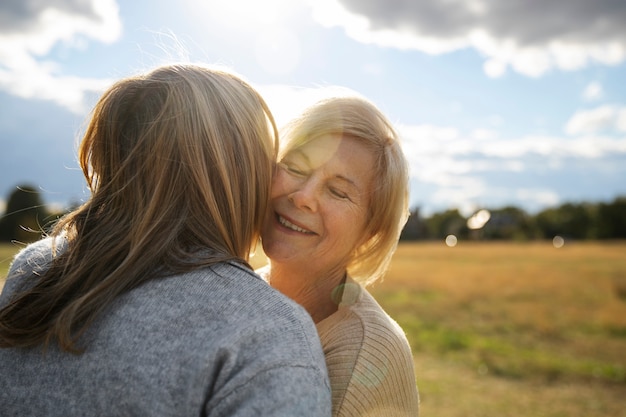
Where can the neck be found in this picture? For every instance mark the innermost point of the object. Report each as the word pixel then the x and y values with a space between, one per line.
pixel 313 290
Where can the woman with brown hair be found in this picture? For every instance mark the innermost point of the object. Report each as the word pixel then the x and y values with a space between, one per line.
pixel 141 301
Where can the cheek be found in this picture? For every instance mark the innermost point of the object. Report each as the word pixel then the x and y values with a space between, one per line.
pixel 279 184
pixel 350 221
pixel 358 224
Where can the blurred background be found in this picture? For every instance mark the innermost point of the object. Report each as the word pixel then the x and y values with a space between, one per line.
pixel 511 276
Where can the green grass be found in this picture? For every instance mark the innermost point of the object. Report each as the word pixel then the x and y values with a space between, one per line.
pixel 7 252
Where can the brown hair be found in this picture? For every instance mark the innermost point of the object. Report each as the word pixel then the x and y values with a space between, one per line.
pixel 179 164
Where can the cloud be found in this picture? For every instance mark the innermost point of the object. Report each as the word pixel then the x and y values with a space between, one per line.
pixel 593 91
pixel 466 170
pixel 426 143
pixel 601 119
pixel 30 29
pixel 539 197
pixel 528 37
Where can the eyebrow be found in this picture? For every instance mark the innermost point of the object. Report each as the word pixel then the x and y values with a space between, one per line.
pixel 343 178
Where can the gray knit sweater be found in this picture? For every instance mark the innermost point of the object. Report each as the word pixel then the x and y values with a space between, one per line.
pixel 214 342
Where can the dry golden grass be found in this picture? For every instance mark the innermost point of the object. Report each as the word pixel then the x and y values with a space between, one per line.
pixel 7 251
pixel 503 329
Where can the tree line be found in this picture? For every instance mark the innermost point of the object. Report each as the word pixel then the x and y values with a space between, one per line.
pixel 578 221
pixel 26 217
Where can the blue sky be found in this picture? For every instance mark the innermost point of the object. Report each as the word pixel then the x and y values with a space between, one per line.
pixel 498 102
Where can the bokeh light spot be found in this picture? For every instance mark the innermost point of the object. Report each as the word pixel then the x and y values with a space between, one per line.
pixel 451 241
pixel 558 242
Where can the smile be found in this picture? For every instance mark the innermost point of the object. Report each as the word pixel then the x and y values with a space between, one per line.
pixel 292 226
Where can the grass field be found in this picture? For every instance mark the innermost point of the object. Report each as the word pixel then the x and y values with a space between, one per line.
pixel 503 329
pixel 507 329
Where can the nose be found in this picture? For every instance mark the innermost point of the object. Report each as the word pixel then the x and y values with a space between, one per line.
pixel 305 196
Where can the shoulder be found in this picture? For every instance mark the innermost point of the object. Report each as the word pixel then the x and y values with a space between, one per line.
pixel 33 259
pixel 256 337
pixel 369 359
pixel 360 321
pixel 272 310
pixel 232 301
pixel 379 325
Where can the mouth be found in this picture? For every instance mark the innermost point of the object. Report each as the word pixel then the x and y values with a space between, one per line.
pixel 286 223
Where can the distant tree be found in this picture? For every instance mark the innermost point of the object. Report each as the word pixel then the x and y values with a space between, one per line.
pixel 549 222
pixel 577 221
pixel 510 223
pixel 611 219
pixel 449 222
pixel 570 220
pixel 415 227
pixel 24 217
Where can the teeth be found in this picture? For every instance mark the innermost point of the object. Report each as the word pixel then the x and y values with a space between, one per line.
pixel 292 226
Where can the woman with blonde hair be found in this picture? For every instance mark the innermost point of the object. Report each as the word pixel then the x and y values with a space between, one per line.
pixel 141 301
pixel 339 202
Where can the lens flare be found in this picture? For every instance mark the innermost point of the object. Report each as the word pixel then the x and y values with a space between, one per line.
pixel 451 241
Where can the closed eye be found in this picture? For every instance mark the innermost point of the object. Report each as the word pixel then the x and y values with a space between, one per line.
pixel 340 194
pixel 292 169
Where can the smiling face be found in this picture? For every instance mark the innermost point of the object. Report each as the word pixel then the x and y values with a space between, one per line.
pixel 319 204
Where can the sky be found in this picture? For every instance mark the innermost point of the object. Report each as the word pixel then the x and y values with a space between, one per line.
pixel 497 102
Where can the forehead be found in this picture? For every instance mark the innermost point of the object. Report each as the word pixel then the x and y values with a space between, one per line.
pixel 329 145
pixel 339 156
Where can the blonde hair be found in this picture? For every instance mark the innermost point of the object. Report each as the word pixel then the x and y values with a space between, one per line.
pixel 388 212
pixel 179 164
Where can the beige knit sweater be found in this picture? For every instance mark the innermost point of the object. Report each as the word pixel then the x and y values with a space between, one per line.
pixel 369 359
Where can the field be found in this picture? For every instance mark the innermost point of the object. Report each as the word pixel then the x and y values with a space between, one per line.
pixel 503 329
pixel 508 329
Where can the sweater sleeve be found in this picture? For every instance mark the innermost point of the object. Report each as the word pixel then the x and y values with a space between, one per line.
pixel 282 391
pixel 369 362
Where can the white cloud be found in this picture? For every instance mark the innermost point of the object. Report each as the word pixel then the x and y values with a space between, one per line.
pixel 427 142
pixel 530 39
pixel 484 134
pixel 621 120
pixel 28 32
pixel 539 197
pixel 593 91
pixel 463 194
pixel 465 168
pixel 600 119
